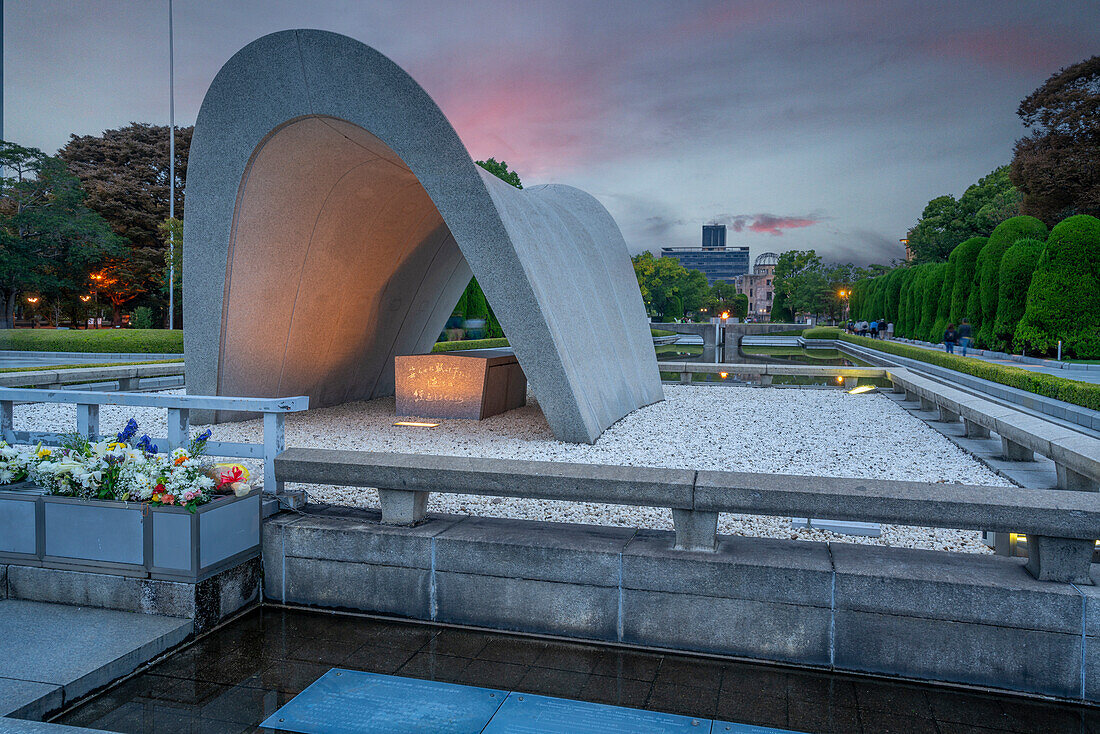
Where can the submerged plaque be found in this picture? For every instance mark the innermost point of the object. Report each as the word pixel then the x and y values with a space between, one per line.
pixel 526 713
pixel 347 701
pixel 351 702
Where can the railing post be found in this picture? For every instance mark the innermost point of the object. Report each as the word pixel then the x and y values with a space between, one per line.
pixel 274 444
pixel 128 384
pixel 1013 451
pixel 87 420
pixel 685 378
pixel 696 530
pixel 402 506
pixel 975 430
pixel 179 427
pixel 7 420
pixel 948 416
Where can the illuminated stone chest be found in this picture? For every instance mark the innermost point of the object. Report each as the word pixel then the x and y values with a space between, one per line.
pixel 474 383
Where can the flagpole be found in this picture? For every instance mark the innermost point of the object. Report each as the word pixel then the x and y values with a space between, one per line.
pixel 171 174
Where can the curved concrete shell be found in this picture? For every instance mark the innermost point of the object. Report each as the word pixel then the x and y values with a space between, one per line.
pixel 334 218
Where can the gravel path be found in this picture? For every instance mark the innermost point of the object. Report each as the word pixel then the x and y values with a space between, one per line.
pixel 784 431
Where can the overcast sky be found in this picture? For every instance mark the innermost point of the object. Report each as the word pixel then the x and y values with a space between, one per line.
pixel 823 125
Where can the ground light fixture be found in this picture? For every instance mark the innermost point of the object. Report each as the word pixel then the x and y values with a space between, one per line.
pixel 859 390
pixel 416 424
pixel 723 375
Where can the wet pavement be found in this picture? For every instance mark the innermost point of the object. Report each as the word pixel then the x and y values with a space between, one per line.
pixel 232 679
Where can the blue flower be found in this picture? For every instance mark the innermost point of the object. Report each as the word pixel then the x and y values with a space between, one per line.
pixel 204 436
pixel 146 444
pixel 128 432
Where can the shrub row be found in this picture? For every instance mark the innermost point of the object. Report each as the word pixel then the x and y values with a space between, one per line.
pixel 157 341
pixel 821 332
pixel 470 344
pixel 1084 394
pixel 54 367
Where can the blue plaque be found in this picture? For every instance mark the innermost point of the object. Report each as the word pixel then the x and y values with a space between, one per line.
pixel 730 727
pixel 526 713
pixel 347 701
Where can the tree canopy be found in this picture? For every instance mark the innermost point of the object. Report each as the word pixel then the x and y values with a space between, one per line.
pixel 49 238
pixel 1055 166
pixel 945 221
pixel 668 288
pixel 500 170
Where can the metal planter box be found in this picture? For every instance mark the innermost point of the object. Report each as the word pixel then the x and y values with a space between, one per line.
pixel 128 538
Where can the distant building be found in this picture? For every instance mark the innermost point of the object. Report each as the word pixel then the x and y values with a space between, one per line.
pixel 759 286
pixel 714 259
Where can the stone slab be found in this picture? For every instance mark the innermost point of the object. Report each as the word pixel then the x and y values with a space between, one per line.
pixel 978 589
pixel 762 569
pixel 527 605
pixel 207 602
pixel 563 552
pixel 80 648
pixel 21 726
pixel 977 654
pixel 747 628
pixel 28 699
pixel 365 586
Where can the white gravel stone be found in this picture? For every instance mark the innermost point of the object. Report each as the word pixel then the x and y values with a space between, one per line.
pixel 767 430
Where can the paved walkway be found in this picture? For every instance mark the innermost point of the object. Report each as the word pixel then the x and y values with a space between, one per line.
pixel 1047 366
pixel 52 654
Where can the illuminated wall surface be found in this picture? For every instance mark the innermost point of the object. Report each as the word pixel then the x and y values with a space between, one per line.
pixel 334 218
pixel 472 384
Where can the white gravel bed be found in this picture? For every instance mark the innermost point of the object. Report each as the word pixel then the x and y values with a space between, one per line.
pixel 783 431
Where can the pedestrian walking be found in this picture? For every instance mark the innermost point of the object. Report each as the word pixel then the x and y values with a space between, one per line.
pixel 890 330
pixel 964 335
pixel 882 328
pixel 873 329
pixel 950 336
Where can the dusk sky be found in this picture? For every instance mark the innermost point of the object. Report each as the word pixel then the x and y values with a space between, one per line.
pixel 823 125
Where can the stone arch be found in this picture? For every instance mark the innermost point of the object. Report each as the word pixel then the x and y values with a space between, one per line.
pixel 334 217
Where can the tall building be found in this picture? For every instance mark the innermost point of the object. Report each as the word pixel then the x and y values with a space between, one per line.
pixel 717 261
pixel 759 286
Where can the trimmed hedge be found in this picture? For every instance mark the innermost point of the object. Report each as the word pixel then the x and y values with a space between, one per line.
pixel 965 265
pixel 661 332
pixel 821 332
pixel 1063 300
pixel 157 341
pixel 943 305
pixel 1017 267
pixel 469 344
pixel 987 276
pixel 933 285
pixel 1084 394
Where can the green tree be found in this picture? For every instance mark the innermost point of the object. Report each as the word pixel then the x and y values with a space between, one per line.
pixel 500 170
pixel 668 289
pixel 1017 267
pixel 125 173
pixel 945 222
pixel 740 306
pixel 800 277
pixel 49 239
pixel 1063 299
pixel 1055 166
pixel 987 275
pixel 965 264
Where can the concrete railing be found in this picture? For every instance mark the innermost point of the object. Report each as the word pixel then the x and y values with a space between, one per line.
pixel 766 370
pixel 87 403
pixel 128 377
pixel 404 482
pixel 1076 456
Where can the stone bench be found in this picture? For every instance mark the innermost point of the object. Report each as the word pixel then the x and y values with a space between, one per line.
pixel 127 376
pixel 1075 455
pixel 1067 521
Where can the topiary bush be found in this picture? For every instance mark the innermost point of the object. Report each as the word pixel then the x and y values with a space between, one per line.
pixel 142 318
pixel 986 276
pixel 930 298
pixel 1063 299
pixel 821 332
pixel 943 305
pixel 965 262
pixel 1017 266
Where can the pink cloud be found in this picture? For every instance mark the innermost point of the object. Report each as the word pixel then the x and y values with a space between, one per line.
pixel 768 223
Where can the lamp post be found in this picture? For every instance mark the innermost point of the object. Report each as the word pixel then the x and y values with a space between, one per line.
pixel 97 318
pixel 171 173
pixel 843 295
pixel 32 300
